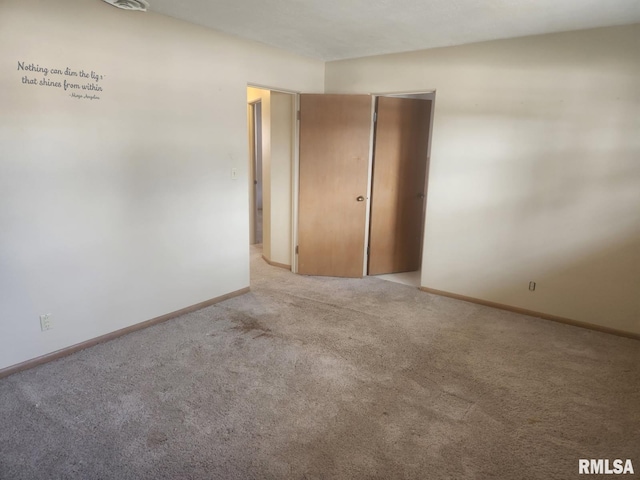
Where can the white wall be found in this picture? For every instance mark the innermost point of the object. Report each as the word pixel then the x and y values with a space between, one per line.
pixel 118 210
pixel 535 171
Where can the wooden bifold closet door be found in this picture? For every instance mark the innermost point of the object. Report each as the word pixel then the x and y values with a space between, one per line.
pixel 335 133
pixel 398 187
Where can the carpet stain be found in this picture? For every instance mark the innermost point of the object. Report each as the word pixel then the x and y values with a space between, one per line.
pixel 156 438
pixel 264 334
pixel 247 324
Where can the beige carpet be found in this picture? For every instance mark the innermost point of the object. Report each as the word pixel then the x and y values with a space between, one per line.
pixel 324 378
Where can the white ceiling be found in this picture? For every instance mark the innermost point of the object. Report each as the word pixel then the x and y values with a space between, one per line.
pixel 338 29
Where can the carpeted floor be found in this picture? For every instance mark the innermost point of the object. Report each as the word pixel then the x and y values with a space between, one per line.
pixel 325 378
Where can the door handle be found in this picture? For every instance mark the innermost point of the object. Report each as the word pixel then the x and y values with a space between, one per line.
pixel 360 198
pixel 421 195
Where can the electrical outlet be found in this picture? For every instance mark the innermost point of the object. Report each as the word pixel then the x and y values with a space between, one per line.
pixel 45 322
pixel 532 286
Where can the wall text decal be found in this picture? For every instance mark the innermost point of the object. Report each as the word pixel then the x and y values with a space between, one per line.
pixel 80 84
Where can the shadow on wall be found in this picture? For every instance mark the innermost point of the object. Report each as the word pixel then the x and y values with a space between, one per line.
pixel 573 231
pixel 541 189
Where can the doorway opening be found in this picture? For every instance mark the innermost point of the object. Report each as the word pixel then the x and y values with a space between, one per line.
pixel 271 122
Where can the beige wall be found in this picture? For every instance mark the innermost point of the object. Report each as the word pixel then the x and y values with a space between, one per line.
pixel 118 210
pixel 535 171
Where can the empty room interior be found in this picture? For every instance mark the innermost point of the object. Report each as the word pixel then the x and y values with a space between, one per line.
pixel 319 240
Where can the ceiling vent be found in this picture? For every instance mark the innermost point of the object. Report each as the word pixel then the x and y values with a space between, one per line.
pixel 140 5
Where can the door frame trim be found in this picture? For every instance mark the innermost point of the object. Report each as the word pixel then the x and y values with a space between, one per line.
pixel 367 218
pixel 295 184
